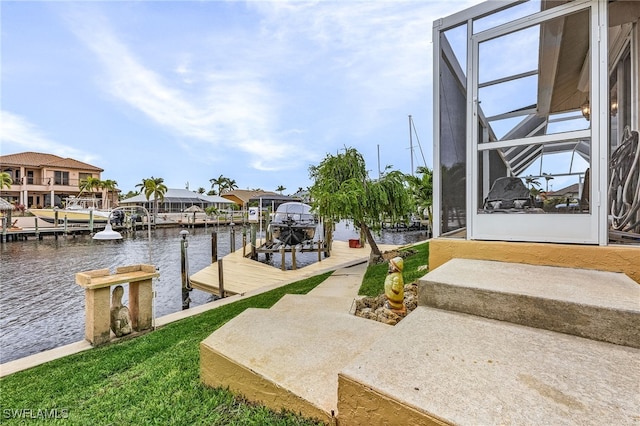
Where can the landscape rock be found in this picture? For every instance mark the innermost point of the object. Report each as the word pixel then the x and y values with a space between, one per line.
pixel 373 307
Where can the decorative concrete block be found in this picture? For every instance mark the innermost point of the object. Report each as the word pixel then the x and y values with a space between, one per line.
pixel 97 324
pixel 141 304
pixel 97 285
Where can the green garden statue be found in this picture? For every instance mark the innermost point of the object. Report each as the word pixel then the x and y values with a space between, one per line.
pixel 394 285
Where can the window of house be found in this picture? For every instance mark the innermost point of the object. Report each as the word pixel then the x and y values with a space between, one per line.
pixel 60 178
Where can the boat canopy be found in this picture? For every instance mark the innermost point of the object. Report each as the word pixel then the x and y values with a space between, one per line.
pixel 296 211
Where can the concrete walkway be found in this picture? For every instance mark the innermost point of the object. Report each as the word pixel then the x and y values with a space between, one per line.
pixel 344 282
pixel 290 355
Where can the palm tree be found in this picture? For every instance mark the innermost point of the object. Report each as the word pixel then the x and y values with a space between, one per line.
pixel 5 180
pixel 107 185
pixel 201 190
pixel 280 188
pixel 89 184
pixel 421 189
pixel 219 182
pixel 128 195
pixel 210 211
pixel 532 182
pixel 157 188
pixel 230 185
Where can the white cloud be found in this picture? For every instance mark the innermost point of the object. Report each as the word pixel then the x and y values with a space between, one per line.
pixel 17 134
pixel 330 69
pixel 230 106
pixel 378 52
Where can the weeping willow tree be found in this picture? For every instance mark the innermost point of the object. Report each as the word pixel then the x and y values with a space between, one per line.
pixel 342 189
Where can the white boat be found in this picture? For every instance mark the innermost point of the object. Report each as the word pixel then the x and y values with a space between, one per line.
pixel 76 210
pixel 293 223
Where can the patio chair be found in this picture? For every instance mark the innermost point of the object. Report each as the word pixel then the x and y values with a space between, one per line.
pixel 508 194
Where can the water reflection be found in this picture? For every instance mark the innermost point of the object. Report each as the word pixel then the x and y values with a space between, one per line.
pixel 41 307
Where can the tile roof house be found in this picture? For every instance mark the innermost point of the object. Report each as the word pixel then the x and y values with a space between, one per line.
pixel 242 196
pixel 44 180
pixel 571 191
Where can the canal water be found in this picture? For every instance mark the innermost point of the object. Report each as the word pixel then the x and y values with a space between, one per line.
pixel 41 306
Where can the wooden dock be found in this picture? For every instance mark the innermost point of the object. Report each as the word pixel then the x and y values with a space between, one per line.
pixel 242 275
pixel 31 227
pixel 21 234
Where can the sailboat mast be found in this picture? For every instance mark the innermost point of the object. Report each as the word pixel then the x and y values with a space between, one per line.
pixel 411 144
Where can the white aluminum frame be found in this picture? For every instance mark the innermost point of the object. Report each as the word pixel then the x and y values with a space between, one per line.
pixel 591 228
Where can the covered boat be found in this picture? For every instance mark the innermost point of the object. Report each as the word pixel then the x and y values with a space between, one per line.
pixel 293 223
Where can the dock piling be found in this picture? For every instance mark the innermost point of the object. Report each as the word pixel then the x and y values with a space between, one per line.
pixel 253 230
pixel 293 259
pixel 244 242
pixel 184 269
pixel 233 237
pixel 214 247
pixel 220 278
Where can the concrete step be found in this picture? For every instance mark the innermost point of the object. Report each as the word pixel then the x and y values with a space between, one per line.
pixel 440 367
pixel 288 356
pixel 309 355
pixel 597 305
pixel 295 302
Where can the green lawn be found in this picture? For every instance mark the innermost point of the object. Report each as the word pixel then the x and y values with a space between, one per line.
pixel 152 379
pixel 155 378
pixel 373 282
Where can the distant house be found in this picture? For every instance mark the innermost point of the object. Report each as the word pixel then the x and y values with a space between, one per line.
pixel 242 197
pixel 178 200
pixel 303 195
pixel 572 192
pixel 245 198
pixel 43 180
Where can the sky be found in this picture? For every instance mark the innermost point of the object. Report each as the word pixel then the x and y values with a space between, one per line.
pixel 190 90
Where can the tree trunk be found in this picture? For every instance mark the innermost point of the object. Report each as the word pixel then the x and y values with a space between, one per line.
pixel 155 210
pixel 375 251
